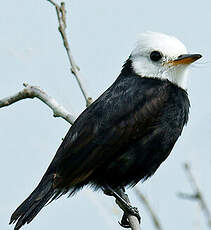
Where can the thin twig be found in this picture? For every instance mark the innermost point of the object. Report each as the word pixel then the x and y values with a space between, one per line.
pixel 35 92
pixel 61 16
pixel 197 195
pixel 144 200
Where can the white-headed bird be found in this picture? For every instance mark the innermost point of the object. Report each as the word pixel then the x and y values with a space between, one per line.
pixel 126 134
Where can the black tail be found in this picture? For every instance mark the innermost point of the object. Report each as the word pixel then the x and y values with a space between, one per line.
pixel 26 212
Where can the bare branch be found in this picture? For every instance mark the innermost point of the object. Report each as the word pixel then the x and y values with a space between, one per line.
pixel 144 200
pixel 61 16
pixel 36 92
pixel 197 194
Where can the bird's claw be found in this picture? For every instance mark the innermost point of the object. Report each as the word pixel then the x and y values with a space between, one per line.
pixel 123 202
pixel 124 221
pixel 130 211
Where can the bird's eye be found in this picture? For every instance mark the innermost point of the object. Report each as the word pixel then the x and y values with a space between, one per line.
pixel 155 56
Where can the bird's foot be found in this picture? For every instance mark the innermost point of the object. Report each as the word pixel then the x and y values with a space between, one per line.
pixel 128 210
pixel 124 221
pixel 123 202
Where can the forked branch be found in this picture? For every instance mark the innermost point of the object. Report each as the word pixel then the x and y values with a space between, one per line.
pixel 35 92
pixel 61 16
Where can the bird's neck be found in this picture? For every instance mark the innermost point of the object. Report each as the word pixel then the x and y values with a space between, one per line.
pixel 177 77
pixel 127 68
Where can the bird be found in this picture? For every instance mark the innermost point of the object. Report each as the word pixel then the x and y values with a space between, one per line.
pixel 124 135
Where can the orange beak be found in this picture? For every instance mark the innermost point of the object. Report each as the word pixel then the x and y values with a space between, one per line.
pixel 185 59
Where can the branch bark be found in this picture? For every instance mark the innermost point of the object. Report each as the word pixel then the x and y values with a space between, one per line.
pixel 61 16
pixel 35 92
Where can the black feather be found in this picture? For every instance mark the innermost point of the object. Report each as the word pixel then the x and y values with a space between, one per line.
pixel 26 212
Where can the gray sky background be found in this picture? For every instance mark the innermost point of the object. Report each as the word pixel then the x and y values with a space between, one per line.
pixel 102 36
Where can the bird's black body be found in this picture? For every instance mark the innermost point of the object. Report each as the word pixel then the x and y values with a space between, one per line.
pixel 120 139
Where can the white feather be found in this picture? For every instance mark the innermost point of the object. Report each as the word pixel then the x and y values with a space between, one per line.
pixel 170 47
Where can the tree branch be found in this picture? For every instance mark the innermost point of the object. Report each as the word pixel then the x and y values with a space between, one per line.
pixel 36 92
pixel 61 16
pixel 197 194
pixel 144 200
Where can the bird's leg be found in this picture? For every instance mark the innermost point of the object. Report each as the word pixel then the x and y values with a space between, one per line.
pixel 112 192
pixel 123 201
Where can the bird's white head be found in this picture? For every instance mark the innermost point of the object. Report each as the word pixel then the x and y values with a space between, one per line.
pixel 162 56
